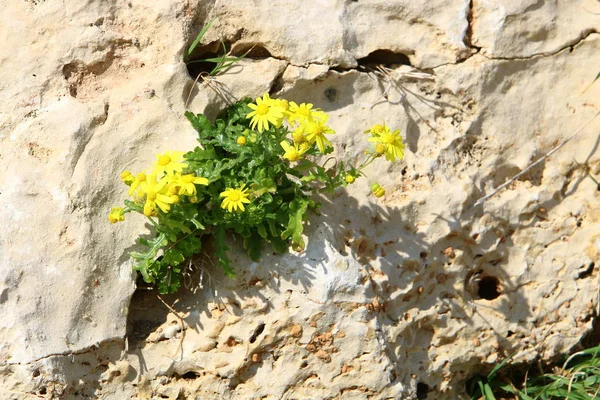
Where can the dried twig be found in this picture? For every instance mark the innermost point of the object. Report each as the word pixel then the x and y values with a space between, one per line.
pixel 514 178
pixel 181 320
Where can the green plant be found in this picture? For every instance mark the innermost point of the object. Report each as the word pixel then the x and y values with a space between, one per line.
pixel 578 379
pixel 222 63
pixel 254 175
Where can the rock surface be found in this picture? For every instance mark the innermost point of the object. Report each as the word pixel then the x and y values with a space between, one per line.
pixel 412 293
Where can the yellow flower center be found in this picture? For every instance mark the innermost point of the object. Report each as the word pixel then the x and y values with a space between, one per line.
pixel 164 160
pixel 379 149
pixel 262 109
pixel 151 196
pixel 141 177
pixel 175 199
pixel 377 129
pixel 235 196
pixel 302 111
pixel 389 139
pixel 293 155
pixel 187 178
pixel 298 136
pixel 304 147
pixel 318 130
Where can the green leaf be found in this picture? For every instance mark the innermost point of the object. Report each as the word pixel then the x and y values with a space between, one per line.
pixel 199 122
pixel 262 231
pixel 295 226
pixel 253 244
pixel 199 38
pixel 489 395
pixel 221 249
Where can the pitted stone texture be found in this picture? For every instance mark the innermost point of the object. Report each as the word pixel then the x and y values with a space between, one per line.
pixel 340 32
pixel 415 287
pixel 524 28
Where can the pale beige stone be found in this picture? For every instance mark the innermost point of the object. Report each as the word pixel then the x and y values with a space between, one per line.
pixel 388 291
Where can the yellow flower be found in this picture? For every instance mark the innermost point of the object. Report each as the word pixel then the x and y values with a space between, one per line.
pixel 283 104
pixel 304 147
pixel 377 130
pixel 298 135
pixel 315 132
pixel 304 113
pixel 116 215
pixel 155 195
pixel 292 153
pixel 241 140
pixel 350 178
pixel 188 182
pixel 394 146
pixel 234 198
pixel 139 179
pixel 265 111
pixel 127 177
pixel 169 162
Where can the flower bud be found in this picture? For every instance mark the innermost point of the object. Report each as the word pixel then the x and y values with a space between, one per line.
pixel 241 140
pixel 127 177
pixel 350 178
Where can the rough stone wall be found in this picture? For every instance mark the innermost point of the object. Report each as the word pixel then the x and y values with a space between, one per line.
pixel 417 290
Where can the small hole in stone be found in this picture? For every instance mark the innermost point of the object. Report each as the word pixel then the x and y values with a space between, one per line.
pixel 422 390
pixel 36 373
pixel 423 254
pixel 190 375
pixel 43 390
pixel 584 273
pixel 304 365
pixel 509 334
pixel 489 288
pixel 385 57
pixel 331 94
pixel 259 329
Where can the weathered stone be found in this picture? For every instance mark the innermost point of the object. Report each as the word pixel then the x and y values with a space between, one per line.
pixel 418 286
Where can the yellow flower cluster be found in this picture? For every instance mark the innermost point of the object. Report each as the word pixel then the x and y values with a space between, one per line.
pixel 161 187
pixel 308 124
pixel 386 142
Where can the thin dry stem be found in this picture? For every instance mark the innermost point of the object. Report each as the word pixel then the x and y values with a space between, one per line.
pixel 181 320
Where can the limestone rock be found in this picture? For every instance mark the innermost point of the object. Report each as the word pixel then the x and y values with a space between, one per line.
pixel 418 287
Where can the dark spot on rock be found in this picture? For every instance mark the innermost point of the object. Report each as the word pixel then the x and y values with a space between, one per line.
pixel 489 288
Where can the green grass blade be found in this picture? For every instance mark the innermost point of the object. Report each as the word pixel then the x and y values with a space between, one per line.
pixel 489 394
pixel 199 38
pixel 497 368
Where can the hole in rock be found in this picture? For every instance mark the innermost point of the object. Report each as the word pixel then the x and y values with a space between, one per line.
pixel 259 329
pixel 489 288
pixel 584 273
pixel 422 390
pixel 384 57
pixel 191 375
pixel 196 64
pixel 331 94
